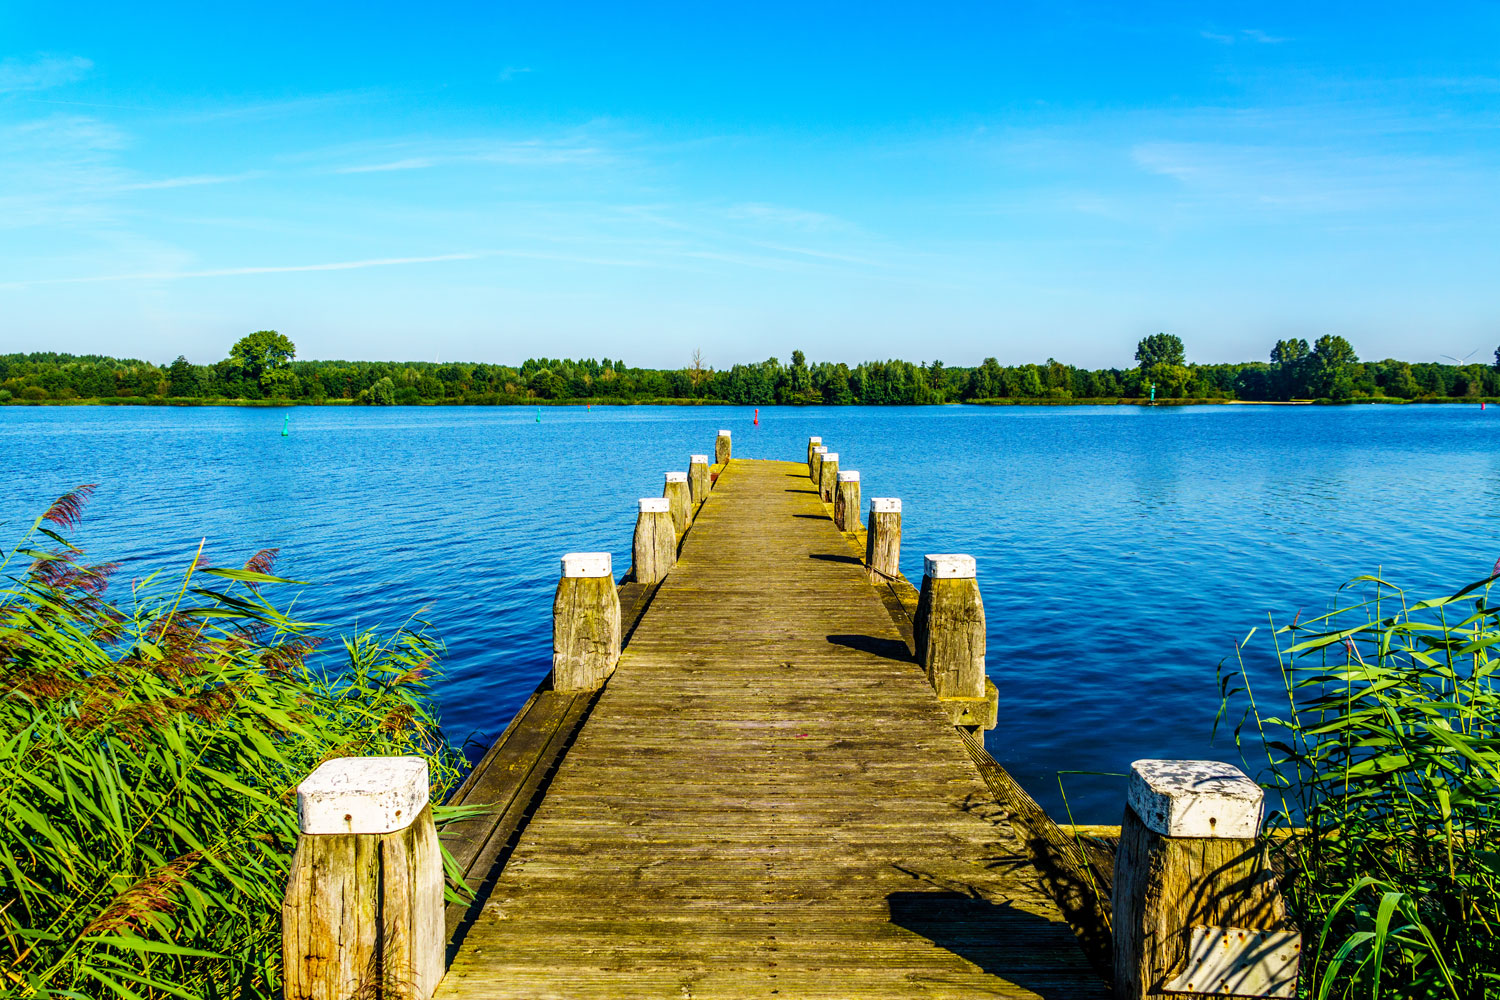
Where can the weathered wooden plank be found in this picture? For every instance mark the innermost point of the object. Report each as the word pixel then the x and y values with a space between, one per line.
pixel 767 798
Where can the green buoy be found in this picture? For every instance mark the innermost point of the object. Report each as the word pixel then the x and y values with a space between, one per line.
pixel 538 414
pixel 284 424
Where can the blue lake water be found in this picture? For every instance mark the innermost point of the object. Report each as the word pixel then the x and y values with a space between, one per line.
pixel 1122 552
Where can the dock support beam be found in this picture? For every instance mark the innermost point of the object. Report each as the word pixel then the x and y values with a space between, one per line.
pixel 883 540
pixel 363 911
pixel 654 551
pixel 846 501
pixel 812 443
pixel 676 492
pixel 585 623
pixel 698 481
pixel 1195 903
pixel 950 639
pixel 828 472
pixel 722 448
pixel 816 468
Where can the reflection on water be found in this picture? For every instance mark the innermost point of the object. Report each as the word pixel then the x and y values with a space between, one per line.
pixel 1122 552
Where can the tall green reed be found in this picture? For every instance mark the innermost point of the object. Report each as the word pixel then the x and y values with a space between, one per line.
pixel 149 753
pixel 1383 769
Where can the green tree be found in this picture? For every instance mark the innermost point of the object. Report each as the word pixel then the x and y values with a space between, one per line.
pixel 1329 367
pixel 1160 349
pixel 263 356
pixel 183 378
pixel 1289 368
pixel 383 392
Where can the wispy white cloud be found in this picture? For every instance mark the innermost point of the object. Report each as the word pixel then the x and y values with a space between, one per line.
pixel 231 272
pixel 41 72
pixel 511 72
pixel 1255 35
pixel 411 163
pixel 1300 178
pixel 786 217
pixel 196 180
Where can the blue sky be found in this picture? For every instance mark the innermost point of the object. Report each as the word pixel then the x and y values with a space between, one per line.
pixel 492 182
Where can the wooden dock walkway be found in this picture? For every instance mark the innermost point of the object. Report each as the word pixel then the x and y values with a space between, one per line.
pixel 765 800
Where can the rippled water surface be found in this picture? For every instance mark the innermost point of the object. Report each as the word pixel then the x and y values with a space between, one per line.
pixel 1122 552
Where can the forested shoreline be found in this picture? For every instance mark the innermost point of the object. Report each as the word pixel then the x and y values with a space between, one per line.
pixel 262 369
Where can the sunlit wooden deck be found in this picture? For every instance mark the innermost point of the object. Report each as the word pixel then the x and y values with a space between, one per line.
pixel 765 800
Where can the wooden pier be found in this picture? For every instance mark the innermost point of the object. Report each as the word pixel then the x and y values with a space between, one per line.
pixel 767 799
pixel 763 793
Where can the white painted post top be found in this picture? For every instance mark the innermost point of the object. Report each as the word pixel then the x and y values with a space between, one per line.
pixel 677 477
pixel 587 564
pixel 723 434
pixel 821 450
pixel 814 440
pixel 849 477
pixel 655 505
pixel 832 456
pixel 885 505
pixel 948 566
pixel 698 460
pixel 1195 798
pixel 362 795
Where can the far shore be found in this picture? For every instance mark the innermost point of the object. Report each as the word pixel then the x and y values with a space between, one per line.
pixel 605 401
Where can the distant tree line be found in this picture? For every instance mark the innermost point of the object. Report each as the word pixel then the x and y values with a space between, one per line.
pixel 263 366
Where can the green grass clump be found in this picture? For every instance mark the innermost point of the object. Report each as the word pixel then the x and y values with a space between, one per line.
pixel 150 749
pixel 1384 762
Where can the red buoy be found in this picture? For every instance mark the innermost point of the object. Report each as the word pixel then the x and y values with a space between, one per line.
pixel 757 416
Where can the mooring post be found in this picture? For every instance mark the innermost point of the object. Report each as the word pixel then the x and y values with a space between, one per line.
pixel 1196 908
pixel 883 540
pixel 676 491
pixel 363 911
pixel 585 623
pixel 950 640
pixel 812 443
pixel 828 471
pixel 722 448
pixel 950 626
pixel 846 501
pixel 698 481
pixel 815 470
pixel 654 552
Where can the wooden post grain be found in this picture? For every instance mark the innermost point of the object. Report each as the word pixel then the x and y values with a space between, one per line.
pixel 812 443
pixel 585 623
pixel 1196 908
pixel 722 448
pixel 815 470
pixel 828 476
pixel 883 540
pixel 698 481
pixel 675 489
pixel 949 626
pixel 654 551
pixel 363 910
pixel 846 501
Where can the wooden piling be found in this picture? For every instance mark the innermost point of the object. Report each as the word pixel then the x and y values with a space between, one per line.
pixel 675 489
pixel 654 551
pixel 722 448
pixel 883 540
pixel 815 470
pixel 846 501
pixel 828 471
pixel 812 443
pixel 1195 903
pixel 949 626
pixel 698 481
pixel 585 623
pixel 363 910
